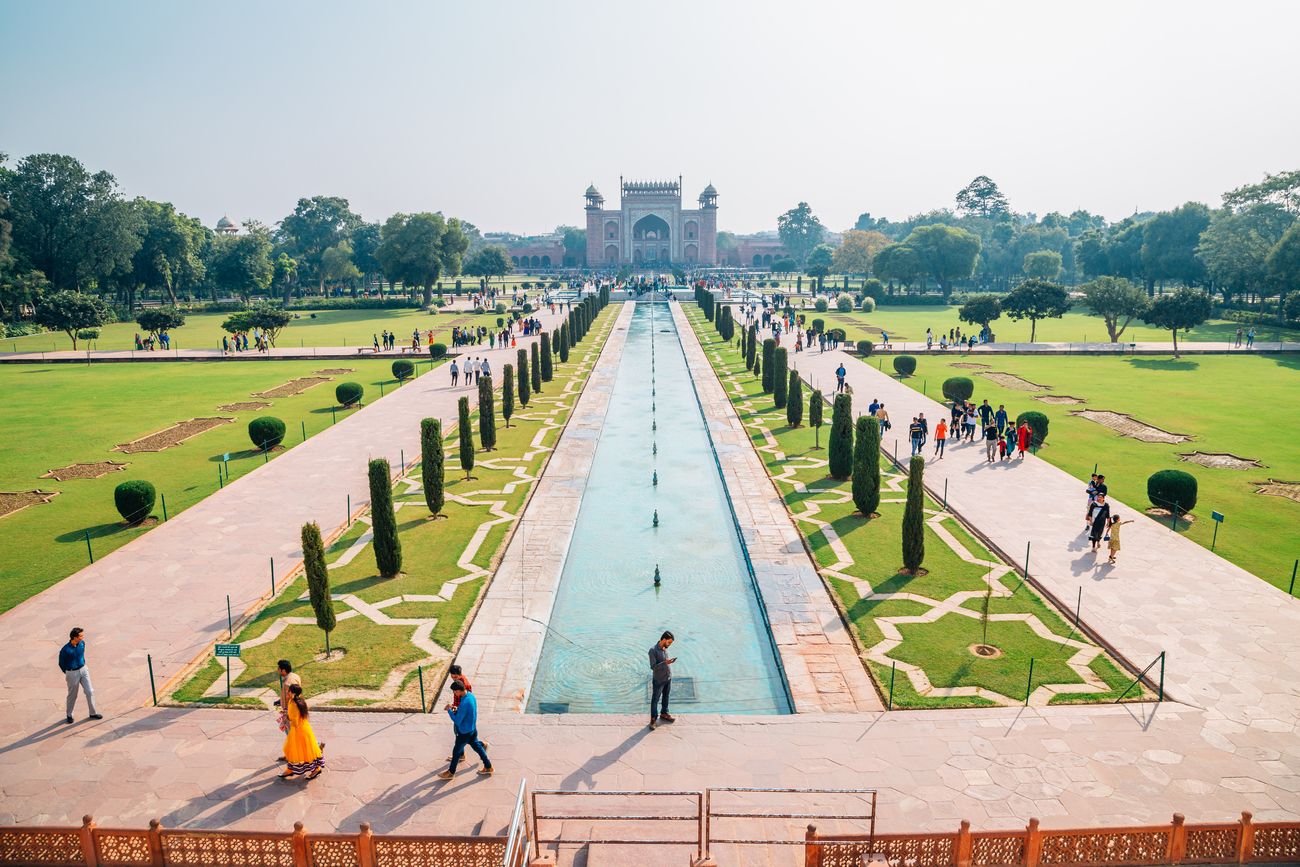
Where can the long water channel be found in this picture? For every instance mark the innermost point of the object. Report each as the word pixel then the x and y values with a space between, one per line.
pixel 608 611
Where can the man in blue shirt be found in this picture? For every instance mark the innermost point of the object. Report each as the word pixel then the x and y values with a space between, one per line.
pixel 464 719
pixel 72 661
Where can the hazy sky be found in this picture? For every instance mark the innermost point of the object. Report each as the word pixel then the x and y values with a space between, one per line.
pixel 502 113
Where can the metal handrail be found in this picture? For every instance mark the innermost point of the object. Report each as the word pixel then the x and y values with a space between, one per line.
pixel 710 813
pixel 697 818
pixel 517 842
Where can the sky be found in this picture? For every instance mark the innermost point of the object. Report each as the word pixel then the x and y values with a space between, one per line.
pixel 503 112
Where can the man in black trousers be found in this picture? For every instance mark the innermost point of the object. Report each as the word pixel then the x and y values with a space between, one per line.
pixel 661 679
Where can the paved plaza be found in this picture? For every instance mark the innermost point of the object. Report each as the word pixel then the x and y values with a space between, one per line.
pixel 1224 742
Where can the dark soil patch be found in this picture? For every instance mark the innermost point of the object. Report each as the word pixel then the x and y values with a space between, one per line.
pixel 1279 488
pixel 1221 461
pixel 1125 425
pixel 85 471
pixel 243 405
pixel 1060 399
pixel 16 501
pixel 172 436
pixel 293 386
pixel 333 371
pixel 985 651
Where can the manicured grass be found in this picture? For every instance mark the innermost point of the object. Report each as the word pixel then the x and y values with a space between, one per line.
pixel 431 552
pixel 1241 405
pixel 327 328
pixel 61 414
pixel 940 648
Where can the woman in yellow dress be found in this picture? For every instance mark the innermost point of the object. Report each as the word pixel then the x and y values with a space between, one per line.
pixel 300 747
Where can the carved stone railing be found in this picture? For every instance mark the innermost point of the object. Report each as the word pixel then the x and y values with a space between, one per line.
pixel 92 846
pixel 1241 842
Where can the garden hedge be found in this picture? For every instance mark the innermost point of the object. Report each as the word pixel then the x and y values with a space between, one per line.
pixel 844 304
pixel 1172 489
pixel 958 388
pixel 348 393
pixel 821 305
pixel 403 369
pixel 1037 425
pixel 904 365
pixel 134 500
pixel 437 351
pixel 266 432
pixel 865 347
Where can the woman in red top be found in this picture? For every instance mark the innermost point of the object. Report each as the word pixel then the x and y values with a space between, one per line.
pixel 1022 438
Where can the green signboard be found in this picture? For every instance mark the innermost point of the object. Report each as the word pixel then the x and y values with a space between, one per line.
pixel 227 650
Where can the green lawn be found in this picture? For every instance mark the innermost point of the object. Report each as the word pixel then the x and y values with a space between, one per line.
pixel 1236 405
pixel 431 551
pixel 328 328
pixel 62 414
pixel 940 648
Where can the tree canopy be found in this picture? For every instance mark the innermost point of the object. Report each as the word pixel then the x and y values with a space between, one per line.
pixel 1181 309
pixel 416 248
pixel 1117 301
pixel 70 311
pixel 856 250
pixel 800 231
pixel 820 260
pixel 489 261
pixel 980 309
pixel 945 253
pixel 317 224
pixel 1034 300
pixel 982 198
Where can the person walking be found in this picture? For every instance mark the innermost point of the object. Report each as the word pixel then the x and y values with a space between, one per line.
pixel 990 441
pixel 455 373
pixel 1237 344
pixel 925 428
pixel 883 415
pixel 839 378
pixel 1250 338
pixel 1112 536
pixel 940 438
pixel 915 435
pixel 72 662
pixel 1100 512
pixel 301 751
pixel 1000 417
pixel 1022 439
pixel 463 711
pixel 661 679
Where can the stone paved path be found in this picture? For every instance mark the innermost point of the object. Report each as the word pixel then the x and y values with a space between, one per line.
pixel 1232 640
pixel 1070 766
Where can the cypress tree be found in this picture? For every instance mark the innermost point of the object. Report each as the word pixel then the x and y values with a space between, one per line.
pixel 769 349
pixel 866 466
pixel 780 376
pixel 466 437
pixel 383 522
pixel 841 439
pixel 914 517
pixel 318 580
pixel 751 349
pixel 487 415
pixel 536 369
pixel 521 366
pixel 431 464
pixel 758 365
pixel 815 403
pixel 508 393
pixel 548 370
pixel 564 342
pixel 573 328
pixel 794 401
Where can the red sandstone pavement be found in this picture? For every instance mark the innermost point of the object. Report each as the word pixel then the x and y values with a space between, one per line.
pixel 1228 744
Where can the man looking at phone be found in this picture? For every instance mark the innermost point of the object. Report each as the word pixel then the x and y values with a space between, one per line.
pixel 661 679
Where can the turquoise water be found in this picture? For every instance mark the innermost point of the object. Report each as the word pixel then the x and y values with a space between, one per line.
pixel 607 611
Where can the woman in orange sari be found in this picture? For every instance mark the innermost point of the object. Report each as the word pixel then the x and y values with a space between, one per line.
pixel 301 749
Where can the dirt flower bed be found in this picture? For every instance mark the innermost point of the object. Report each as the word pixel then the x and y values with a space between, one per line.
pixel 293 386
pixel 16 501
pixel 1221 461
pixel 1126 425
pixel 1059 399
pixel 1279 488
pixel 333 371
pixel 243 405
pixel 172 436
pixel 85 471
pixel 1010 380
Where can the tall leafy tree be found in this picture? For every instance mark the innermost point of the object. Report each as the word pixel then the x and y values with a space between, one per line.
pixel 982 198
pixel 856 250
pixel 432 465
pixel 1236 245
pixel 1035 300
pixel 365 247
pixel 316 224
pixel 242 263
pixel 866 465
pixel 69 311
pixel 383 520
pixel 800 231
pixel 1284 259
pixel 946 253
pixel 819 263
pixel 1281 189
pixel 1182 309
pixel 489 261
pixel 898 263
pixel 336 265
pixel 980 309
pixel 1169 244
pixel 841 438
pixel 1043 264
pixel 1117 301
pixel 417 248
pixel 171 249
pixel 914 516
pixel 68 222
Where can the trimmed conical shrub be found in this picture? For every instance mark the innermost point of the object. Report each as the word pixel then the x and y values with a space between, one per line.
pixel 466 434
pixel 134 500
pixel 383 521
pixel 751 349
pixel 431 464
pixel 780 377
pixel 536 370
pixel 507 392
pixel 769 350
pixel 547 357
pixel 841 438
pixel 487 415
pixel 794 400
pixel 866 465
pixel 521 368
pixel 914 516
pixel 815 404
pixel 564 342
pixel 318 580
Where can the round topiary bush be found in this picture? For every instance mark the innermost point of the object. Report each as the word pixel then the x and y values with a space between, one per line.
pixel 865 347
pixel 838 334
pixel 348 393
pixel 501 307
pixel 905 365
pixel 479 311
pixel 134 500
pixel 1037 426
pixel 528 307
pixel 844 303
pixel 873 288
pixel 958 388
pixel 266 432
pixel 868 304
pixel 437 350
pixel 819 325
pixel 1174 490
pixel 821 305
pixel 501 322
pixel 403 369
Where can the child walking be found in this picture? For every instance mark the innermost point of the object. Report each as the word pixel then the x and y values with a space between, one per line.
pixel 1113 537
